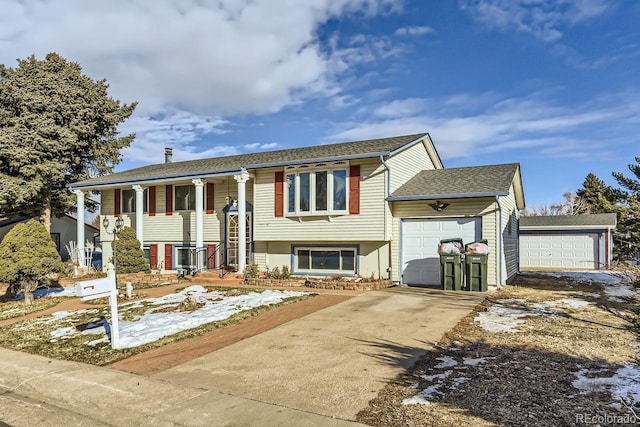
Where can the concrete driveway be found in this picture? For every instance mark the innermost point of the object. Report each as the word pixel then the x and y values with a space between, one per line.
pixel 332 362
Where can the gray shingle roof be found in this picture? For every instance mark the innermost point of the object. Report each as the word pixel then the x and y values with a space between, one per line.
pixel 473 181
pixel 605 220
pixel 219 165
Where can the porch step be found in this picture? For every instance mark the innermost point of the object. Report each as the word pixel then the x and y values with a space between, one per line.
pixel 212 277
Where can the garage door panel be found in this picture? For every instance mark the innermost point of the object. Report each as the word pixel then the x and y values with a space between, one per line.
pixel 574 251
pixel 420 239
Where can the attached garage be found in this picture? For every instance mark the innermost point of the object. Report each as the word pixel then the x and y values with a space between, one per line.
pixel 419 246
pixel 469 203
pixel 567 242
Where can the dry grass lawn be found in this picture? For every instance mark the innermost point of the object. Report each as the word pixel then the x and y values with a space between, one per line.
pixel 475 377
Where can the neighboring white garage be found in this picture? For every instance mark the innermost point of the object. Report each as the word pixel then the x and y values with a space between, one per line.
pixel 566 242
pixel 419 246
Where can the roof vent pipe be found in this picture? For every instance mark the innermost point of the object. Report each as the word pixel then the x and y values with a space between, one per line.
pixel 168 155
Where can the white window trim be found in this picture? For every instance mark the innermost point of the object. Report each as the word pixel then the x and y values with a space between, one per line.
pixel 311 271
pixel 321 167
pixel 177 258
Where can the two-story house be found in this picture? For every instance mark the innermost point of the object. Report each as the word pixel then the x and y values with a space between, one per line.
pixel 369 208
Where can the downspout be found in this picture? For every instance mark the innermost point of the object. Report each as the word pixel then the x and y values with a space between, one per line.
pixel 388 193
pixel 499 242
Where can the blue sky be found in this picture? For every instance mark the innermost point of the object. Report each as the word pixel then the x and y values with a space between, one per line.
pixel 552 85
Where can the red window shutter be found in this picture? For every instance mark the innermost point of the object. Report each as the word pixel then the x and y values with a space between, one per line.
pixel 152 201
pixel 153 255
pixel 279 194
pixel 169 197
pixel 168 259
pixel 211 260
pixel 210 198
pixel 116 202
pixel 354 189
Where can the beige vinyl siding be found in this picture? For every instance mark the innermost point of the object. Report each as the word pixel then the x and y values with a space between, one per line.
pixel 368 225
pixel 373 257
pixel 181 225
pixel 510 236
pixel 406 164
pixel 484 208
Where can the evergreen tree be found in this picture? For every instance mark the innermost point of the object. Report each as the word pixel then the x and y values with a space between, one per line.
pixel 595 194
pixel 27 254
pixel 57 126
pixel 129 255
pixel 628 230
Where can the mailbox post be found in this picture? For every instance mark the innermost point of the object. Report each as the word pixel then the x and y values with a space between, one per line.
pixel 100 288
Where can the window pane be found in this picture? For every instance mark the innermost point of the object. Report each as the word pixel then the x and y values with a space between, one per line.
pixel 291 194
pixel 303 259
pixel 147 255
pixel 185 197
pixel 183 256
pixel 348 259
pixel 340 190
pixel 305 192
pixel 325 260
pixel 321 190
pixel 128 201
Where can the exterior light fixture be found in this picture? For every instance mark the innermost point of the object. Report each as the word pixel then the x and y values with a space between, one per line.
pixel 439 206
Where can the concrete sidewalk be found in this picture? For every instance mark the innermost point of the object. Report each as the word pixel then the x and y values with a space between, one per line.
pixel 36 391
pixel 319 370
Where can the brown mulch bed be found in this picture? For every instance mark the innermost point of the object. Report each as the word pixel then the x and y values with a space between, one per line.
pixel 479 378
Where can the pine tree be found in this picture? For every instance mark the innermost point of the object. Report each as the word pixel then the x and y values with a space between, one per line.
pixel 595 193
pixel 57 126
pixel 628 229
pixel 27 254
pixel 129 256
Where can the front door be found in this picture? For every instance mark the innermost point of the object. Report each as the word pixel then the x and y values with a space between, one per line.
pixel 232 238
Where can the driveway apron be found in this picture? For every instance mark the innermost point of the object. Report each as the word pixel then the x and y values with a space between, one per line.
pixel 334 361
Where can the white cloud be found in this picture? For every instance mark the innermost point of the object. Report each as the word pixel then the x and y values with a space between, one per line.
pixel 256 146
pixel 544 19
pixel 494 124
pixel 190 63
pixel 414 31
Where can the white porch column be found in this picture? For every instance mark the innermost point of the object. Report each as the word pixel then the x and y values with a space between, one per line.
pixel 242 179
pixel 199 221
pixel 80 223
pixel 139 212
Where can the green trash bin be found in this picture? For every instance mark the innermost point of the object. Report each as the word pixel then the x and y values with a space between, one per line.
pixel 475 268
pixel 451 268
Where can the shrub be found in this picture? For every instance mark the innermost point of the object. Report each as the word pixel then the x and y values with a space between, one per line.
pixel 129 255
pixel 276 274
pixel 251 271
pixel 27 256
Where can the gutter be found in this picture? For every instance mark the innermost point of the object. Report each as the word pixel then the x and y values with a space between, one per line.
pixel 386 166
pixel 499 236
pixel 445 196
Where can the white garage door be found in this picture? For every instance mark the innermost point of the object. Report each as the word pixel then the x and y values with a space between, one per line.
pixel 419 252
pixel 575 251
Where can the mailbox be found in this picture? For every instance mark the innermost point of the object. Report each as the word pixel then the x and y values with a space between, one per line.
pixel 96 288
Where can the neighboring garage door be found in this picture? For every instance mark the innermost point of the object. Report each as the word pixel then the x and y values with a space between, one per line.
pixel 573 251
pixel 419 252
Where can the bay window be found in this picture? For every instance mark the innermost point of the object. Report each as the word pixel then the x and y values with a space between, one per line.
pixel 318 190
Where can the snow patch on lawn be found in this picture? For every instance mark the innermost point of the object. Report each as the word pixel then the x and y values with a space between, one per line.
pixel 154 324
pixel 501 319
pixel 624 384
